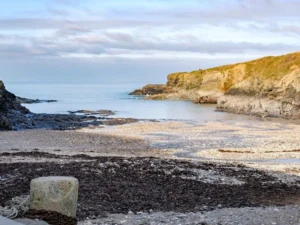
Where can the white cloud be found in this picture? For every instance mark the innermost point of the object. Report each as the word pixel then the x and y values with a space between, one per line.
pixel 148 31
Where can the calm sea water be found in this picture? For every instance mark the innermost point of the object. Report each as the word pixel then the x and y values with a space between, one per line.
pixel 72 97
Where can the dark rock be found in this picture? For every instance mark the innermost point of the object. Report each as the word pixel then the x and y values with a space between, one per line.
pixel 52 218
pixel 152 89
pixel 4 124
pixel 13 116
pixel 97 112
pixel 206 100
pixel 32 101
pixel 9 108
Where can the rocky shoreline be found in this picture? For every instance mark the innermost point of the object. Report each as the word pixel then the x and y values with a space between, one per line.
pixel 140 159
pixel 152 89
pixel 93 112
pixel 14 116
pixel 258 106
pixel 32 101
pixel 266 87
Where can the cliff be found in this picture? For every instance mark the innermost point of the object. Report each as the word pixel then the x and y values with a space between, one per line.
pixel 10 109
pixel 269 86
pixel 200 86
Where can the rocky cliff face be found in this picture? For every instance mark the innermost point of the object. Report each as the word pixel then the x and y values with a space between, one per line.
pixel 10 109
pixel 268 86
pixel 200 86
pixel 271 87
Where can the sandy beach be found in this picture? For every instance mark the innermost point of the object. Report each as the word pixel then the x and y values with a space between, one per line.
pixel 255 149
pixel 150 112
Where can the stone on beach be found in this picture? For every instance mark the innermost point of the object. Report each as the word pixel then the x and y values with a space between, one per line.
pixel 58 194
pixel 31 222
pixel 6 221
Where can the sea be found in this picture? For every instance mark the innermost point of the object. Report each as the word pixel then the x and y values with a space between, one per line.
pixel 115 97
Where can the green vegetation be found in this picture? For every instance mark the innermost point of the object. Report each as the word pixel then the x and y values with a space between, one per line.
pixel 186 81
pixel 267 68
pixel 176 79
pixel 193 80
pixel 229 81
pixel 267 65
pixel 272 67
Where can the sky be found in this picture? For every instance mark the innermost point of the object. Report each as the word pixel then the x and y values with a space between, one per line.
pixel 138 40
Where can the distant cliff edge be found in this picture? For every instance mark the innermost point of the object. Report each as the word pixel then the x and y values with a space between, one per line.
pixel 269 86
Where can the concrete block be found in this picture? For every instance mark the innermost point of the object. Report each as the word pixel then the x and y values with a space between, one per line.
pixel 58 194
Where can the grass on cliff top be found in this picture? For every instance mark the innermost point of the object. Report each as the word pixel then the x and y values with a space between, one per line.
pixel 184 80
pixel 271 67
pixel 267 68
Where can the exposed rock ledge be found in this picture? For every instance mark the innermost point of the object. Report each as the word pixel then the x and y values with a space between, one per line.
pixel 263 107
pixel 269 86
pixel 152 89
pixel 32 101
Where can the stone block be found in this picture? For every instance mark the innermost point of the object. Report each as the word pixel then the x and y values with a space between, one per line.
pixel 5 221
pixel 57 194
pixel 31 222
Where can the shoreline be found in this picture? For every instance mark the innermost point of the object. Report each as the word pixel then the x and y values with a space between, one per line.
pixel 256 142
pixel 205 164
pixel 266 87
pixel 135 152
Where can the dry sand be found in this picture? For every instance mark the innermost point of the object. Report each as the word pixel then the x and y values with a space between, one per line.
pixel 261 144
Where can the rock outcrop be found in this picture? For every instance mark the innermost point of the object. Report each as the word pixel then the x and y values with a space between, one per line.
pixel 32 101
pixel 14 116
pixel 152 89
pixel 199 85
pixel 206 100
pixel 269 86
pixel 10 109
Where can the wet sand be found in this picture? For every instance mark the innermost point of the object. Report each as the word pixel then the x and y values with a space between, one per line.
pixel 73 142
pixel 268 144
pixel 272 145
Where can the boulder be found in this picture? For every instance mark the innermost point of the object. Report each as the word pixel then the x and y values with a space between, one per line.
pixel 57 194
pixel 32 101
pixel 206 100
pixel 152 89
